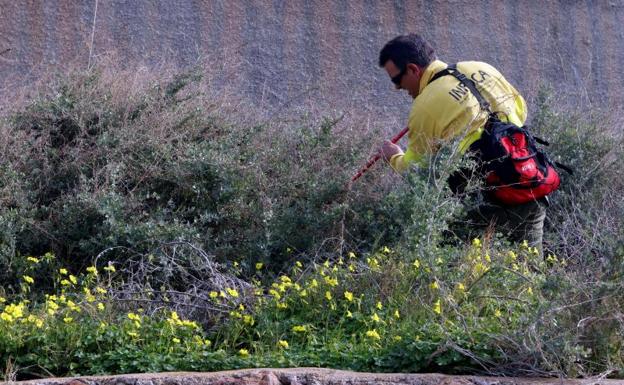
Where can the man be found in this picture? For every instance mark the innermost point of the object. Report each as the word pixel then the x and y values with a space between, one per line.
pixel 444 111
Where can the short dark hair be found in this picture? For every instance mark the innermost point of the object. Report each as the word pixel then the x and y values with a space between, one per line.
pixel 405 49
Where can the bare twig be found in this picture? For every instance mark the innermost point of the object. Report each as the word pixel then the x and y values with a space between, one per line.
pixel 92 33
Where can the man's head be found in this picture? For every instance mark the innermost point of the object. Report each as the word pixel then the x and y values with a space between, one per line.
pixel 405 58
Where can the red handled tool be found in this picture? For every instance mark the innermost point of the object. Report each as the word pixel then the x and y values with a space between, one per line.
pixel 376 157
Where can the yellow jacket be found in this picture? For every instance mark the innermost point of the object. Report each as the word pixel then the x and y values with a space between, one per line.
pixel 443 111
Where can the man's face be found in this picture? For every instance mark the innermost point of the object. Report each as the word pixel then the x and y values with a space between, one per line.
pixel 408 80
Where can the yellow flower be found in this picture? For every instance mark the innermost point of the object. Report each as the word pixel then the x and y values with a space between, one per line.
pixel 65 282
pixel 32 259
pixel 99 290
pixel 88 296
pixel 190 324
pixel 283 344
pixel 313 283
pixel 488 258
pixel 397 338
pixel 134 317
pixel 373 263
pixel 232 292
pixel 476 242
pixel 213 294
pixel 351 267
pixel 396 314
pixel 299 264
pixel 16 311
pixel 439 261
pixel 375 317
pixel 63 271
pixel 275 294
pixel 282 305
pixel 437 307
pixel 100 306
pixel 434 285
pixel 373 334
pixel 68 320
pixel 248 320
pixel 243 353
pixel 299 328
pixel 2 299
pixel 259 266
pixel 110 268
pixel 326 264
pixel 28 279
pixel 6 317
pixel 176 340
pixel 92 270
pixel 525 244
pixel 351 254
pixel 52 305
pixel 328 295
pixel 530 291
pixel 73 307
pixel 349 314
pixel 73 279
pixel 497 313
pixel 385 249
pixel 480 268
pixel 348 295
pixel 416 263
pixel 461 287
pixel 331 281
pixel 303 293
pixel 132 334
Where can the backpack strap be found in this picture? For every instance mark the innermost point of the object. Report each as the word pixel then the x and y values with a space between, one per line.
pixel 468 83
pixel 565 168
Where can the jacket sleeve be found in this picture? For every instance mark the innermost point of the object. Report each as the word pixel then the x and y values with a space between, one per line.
pixel 420 140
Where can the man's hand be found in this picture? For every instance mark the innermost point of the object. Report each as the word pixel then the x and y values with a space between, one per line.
pixel 389 149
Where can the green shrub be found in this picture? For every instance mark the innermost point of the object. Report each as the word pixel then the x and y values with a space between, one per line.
pixel 93 164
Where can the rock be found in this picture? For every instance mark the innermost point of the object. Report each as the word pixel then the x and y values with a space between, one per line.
pixel 307 376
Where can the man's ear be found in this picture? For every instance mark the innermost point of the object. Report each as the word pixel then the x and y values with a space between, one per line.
pixel 415 68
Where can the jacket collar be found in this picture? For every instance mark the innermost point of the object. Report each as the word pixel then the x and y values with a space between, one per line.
pixel 433 68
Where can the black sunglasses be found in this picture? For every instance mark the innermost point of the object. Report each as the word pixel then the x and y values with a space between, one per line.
pixel 397 79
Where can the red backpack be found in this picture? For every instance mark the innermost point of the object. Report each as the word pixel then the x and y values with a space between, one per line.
pixel 516 170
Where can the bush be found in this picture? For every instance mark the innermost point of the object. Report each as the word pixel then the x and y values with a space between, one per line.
pixel 242 225
pixel 92 163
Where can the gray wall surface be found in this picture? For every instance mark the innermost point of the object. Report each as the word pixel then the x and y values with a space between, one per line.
pixel 302 52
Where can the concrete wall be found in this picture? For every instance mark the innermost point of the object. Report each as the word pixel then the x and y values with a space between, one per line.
pixel 293 52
